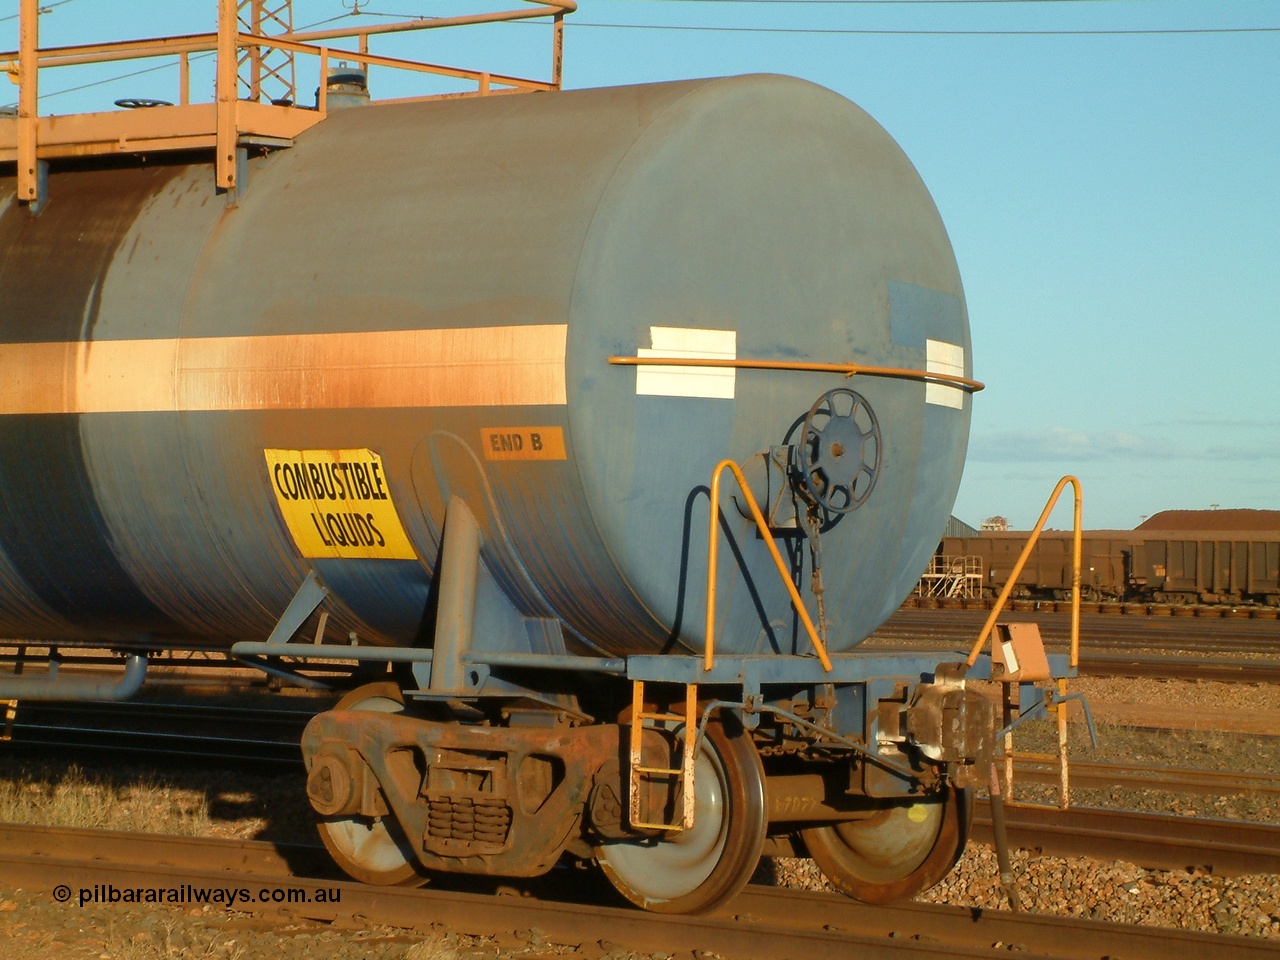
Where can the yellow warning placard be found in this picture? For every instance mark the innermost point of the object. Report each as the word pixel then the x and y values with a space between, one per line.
pixel 337 503
pixel 522 443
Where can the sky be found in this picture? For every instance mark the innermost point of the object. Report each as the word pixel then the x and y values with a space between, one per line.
pixel 1108 171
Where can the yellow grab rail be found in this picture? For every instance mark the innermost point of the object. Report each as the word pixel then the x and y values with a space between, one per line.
pixel 998 607
pixel 713 554
pixel 804 366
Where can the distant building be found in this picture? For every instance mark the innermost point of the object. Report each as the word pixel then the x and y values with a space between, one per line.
pixel 995 523
pixel 958 528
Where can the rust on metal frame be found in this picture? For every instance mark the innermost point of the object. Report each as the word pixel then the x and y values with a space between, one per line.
pixel 229 122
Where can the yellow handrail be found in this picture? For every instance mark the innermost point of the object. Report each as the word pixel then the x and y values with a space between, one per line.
pixel 804 366
pixel 998 607
pixel 713 554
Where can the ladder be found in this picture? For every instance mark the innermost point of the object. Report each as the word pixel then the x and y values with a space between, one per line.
pixel 642 720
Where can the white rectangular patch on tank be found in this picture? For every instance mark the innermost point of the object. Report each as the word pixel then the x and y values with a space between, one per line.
pixel 688 343
pixel 948 358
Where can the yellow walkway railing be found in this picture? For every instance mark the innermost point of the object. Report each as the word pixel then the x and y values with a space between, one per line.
pixel 1061 708
pixel 998 607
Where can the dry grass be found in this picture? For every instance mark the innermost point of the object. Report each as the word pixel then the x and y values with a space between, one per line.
pixel 439 947
pixel 176 936
pixel 172 939
pixel 182 799
pixel 76 799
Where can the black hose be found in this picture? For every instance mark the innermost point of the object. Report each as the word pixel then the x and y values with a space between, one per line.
pixel 1007 879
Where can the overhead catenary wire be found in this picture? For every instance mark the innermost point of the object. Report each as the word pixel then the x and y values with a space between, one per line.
pixel 895 3
pixel 788 31
pixel 917 32
pixel 45 8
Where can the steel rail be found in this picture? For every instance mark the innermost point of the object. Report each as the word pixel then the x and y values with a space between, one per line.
pixel 1182 668
pixel 1156 666
pixel 762 923
pixel 198 732
pixel 1100 624
pixel 1113 642
pixel 1156 841
pixel 1138 776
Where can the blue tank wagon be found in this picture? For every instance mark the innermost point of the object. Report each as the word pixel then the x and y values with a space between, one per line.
pixel 450 382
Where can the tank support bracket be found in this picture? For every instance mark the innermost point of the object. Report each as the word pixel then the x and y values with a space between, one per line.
pixel 455 614
pixel 309 596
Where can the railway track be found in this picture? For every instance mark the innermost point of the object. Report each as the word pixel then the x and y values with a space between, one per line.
pixel 1098 632
pixel 234 734
pixel 1154 841
pixel 762 923
pixel 1179 668
pixel 1142 776
pixel 1240 611
pixel 1167 647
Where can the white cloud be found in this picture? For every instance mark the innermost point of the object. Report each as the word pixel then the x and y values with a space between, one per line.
pixel 1064 444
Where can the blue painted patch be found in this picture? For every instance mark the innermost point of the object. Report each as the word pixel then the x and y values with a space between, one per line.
pixel 917 314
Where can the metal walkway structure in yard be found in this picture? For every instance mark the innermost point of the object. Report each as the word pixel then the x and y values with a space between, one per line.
pixel 255 104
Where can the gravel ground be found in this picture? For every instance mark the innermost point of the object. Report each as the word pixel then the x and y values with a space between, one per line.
pixel 1081 887
pixel 33 927
pixel 260 806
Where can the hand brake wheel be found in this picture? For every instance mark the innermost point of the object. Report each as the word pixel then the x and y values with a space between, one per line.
pixel 838 457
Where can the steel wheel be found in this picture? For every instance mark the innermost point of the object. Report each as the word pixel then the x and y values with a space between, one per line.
pixel 372 849
pixel 895 853
pixel 697 870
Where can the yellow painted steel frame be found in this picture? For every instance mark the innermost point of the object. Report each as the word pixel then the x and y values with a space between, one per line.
pixel 226 123
pixel 688 757
pixel 228 93
pixel 28 87
pixel 803 366
pixel 713 555
pixel 997 608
